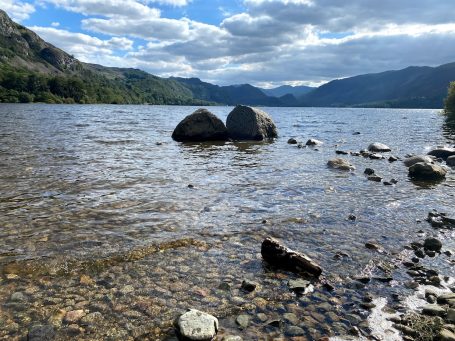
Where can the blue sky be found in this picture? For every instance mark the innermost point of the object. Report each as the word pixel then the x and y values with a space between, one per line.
pixel 262 42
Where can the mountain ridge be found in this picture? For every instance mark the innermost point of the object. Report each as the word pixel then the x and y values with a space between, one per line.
pixel 33 70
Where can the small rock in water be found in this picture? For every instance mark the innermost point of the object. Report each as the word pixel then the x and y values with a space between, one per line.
pixel 190 186
pixel 375 178
pixel 352 217
pixel 393 158
pixel 41 333
pixel 249 286
pixel 341 152
pixel 378 147
pixel 313 142
pixel 442 153
pixel 243 321
pixel 299 285
pixel 340 164
pixel 368 171
pixel 197 325
pixel 432 244
pixel 292 141
pixel 412 160
pixel 372 246
pixel 451 161
pixel 294 331
pixel 433 310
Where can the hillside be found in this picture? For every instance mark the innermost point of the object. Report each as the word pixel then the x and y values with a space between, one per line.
pixel 296 91
pixel 32 70
pixel 413 87
pixel 229 95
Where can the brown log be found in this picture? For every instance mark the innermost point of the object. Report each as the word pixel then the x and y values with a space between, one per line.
pixel 279 255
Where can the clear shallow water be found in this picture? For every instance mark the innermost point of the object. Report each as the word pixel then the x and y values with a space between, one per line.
pixel 80 184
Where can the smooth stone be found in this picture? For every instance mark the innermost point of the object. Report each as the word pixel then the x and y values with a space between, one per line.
pixel 291 317
pixel 426 171
pixel 446 335
pixel 378 147
pixel 445 298
pixel 442 153
pixel 247 123
pixel 410 161
pixel 432 244
pixel 433 310
pixel 243 321
pixel 298 284
pixel 341 164
pixel 294 331
pixel 451 161
pixel 313 142
pixel 127 289
pixel 292 141
pixel 18 297
pixel 393 158
pixel 197 325
pixel 74 316
pixel 262 317
pixel 201 125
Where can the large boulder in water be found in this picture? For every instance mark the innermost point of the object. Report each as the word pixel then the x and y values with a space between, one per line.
pixel 442 153
pixel 378 147
pixel 201 125
pixel 247 123
pixel 426 171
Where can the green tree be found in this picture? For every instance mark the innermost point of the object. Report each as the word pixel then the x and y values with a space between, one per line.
pixel 450 100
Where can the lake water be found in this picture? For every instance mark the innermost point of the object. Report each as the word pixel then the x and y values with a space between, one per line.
pixel 97 215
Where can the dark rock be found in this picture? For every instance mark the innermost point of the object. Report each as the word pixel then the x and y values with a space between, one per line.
pixel 451 161
pixel 430 253
pixel 432 244
pixel 386 183
pixel 419 253
pixel 372 246
pixel 197 325
pixel 378 147
pixel 368 171
pixel 249 286
pixel 393 181
pixel 201 125
pixel 356 133
pixel 446 298
pixel 247 123
pixel 426 171
pixel 279 255
pixel 375 178
pixel 442 153
pixel 292 141
pixel 352 217
pixel 313 142
pixel 340 164
pixel 393 158
pixel 294 331
pixel 341 152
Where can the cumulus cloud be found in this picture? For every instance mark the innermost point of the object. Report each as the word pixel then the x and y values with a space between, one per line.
pixel 18 10
pixel 81 45
pixel 270 42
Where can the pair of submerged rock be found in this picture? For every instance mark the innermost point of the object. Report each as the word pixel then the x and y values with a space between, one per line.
pixel 243 123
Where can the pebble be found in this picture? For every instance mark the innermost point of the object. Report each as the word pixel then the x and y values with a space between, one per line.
pixel 18 297
pixel 249 285
pixel 197 325
pixel 243 321
pixel 294 331
pixel 73 316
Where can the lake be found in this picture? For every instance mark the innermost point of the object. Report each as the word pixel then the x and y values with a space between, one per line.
pixel 98 218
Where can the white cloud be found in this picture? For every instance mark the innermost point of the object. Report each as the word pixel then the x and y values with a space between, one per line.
pixel 18 10
pixel 55 24
pixel 176 3
pixel 81 45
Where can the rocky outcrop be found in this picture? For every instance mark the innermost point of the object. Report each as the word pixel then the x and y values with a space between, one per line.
pixel 201 125
pixel 378 147
pixel 247 123
pixel 426 171
pixel 442 153
pixel 279 255
pixel 410 161
pixel 341 164
pixel 197 325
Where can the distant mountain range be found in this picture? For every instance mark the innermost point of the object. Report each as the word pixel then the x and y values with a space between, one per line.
pixel 32 70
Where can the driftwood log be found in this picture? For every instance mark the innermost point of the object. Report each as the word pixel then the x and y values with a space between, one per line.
pixel 279 255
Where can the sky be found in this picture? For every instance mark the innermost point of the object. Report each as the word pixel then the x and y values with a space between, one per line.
pixel 262 42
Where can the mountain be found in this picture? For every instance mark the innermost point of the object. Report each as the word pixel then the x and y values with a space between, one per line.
pixel 229 95
pixel 412 87
pixel 296 91
pixel 32 70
